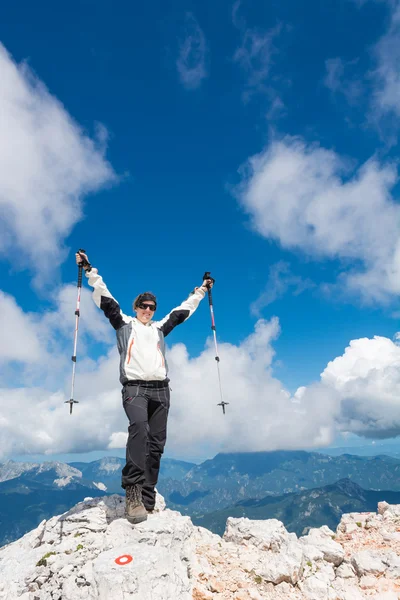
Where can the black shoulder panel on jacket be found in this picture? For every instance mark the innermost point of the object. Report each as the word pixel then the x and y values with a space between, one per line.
pixel 175 318
pixel 112 310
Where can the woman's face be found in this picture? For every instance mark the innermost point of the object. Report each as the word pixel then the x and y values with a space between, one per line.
pixel 145 311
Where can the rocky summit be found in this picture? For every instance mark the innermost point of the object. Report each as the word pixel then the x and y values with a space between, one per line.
pixel 92 552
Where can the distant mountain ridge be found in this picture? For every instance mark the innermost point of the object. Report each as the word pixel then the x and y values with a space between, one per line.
pixel 108 471
pixel 12 469
pixel 303 510
pixel 91 551
pixel 31 492
pixel 229 478
pixel 36 493
pixel 260 481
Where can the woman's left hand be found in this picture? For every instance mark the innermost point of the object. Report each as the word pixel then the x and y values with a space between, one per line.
pixel 207 284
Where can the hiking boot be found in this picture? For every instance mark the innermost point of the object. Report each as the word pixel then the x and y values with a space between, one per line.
pixel 135 511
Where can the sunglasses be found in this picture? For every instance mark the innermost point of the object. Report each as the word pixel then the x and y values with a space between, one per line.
pixel 143 305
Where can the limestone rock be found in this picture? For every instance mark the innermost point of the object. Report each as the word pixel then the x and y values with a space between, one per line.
pixel 368 562
pixel 91 552
pixel 283 566
pixel 322 539
pixel 280 557
pixel 264 535
pixel 345 571
pixel 382 507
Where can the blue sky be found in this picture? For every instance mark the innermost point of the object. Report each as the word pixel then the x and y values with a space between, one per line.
pixel 256 140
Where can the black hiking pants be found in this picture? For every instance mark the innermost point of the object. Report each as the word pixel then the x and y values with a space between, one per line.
pixel 146 405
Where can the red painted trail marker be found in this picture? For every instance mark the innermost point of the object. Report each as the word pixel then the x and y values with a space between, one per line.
pixel 124 559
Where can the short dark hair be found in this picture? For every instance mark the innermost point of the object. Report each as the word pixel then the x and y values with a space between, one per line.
pixel 143 298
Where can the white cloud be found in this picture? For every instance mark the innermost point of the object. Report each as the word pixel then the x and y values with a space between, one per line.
pixel 277 109
pixel 117 440
pixel 367 381
pixel 376 93
pixel 387 74
pixel 334 73
pixel 254 55
pixel 359 393
pixel 342 77
pixel 238 21
pixel 260 415
pixel 35 353
pixel 311 199
pixel 280 280
pixel 36 348
pixel 191 62
pixel 35 420
pixel 61 321
pixel 19 336
pixel 47 165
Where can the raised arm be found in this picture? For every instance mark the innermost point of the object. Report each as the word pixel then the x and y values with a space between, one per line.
pixel 185 310
pixel 102 296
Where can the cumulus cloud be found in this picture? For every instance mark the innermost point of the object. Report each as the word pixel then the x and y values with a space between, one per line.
pixel 311 199
pixel 19 335
pixel 261 414
pixel 366 379
pixel 191 62
pixel 47 165
pixel 358 393
pixel 36 348
pixel 36 420
pixel 33 416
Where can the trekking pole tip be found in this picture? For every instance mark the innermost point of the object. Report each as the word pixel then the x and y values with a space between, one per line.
pixel 71 403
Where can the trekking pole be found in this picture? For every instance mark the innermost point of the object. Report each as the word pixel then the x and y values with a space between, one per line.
pixel 71 402
pixel 207 275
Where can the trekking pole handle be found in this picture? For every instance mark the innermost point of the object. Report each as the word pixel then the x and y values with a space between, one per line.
pixel 207 275
pixel 80 269
pixel 84 262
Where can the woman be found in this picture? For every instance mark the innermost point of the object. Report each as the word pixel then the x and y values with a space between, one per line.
pixel 143 375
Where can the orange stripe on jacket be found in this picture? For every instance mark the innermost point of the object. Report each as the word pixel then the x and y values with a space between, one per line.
pixel 129 351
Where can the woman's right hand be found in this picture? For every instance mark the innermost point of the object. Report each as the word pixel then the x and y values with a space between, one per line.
pixel 82 257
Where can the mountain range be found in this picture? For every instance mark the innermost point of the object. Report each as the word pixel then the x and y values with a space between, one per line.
pixel 32 492
pixel 303 510
pixel 91 551
pixel 302 489
pixel 227 479
pixel 108 471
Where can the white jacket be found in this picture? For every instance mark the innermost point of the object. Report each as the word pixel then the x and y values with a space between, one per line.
pixel 141 347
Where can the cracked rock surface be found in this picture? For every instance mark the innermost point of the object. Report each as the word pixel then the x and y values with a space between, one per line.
pixel 92 552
